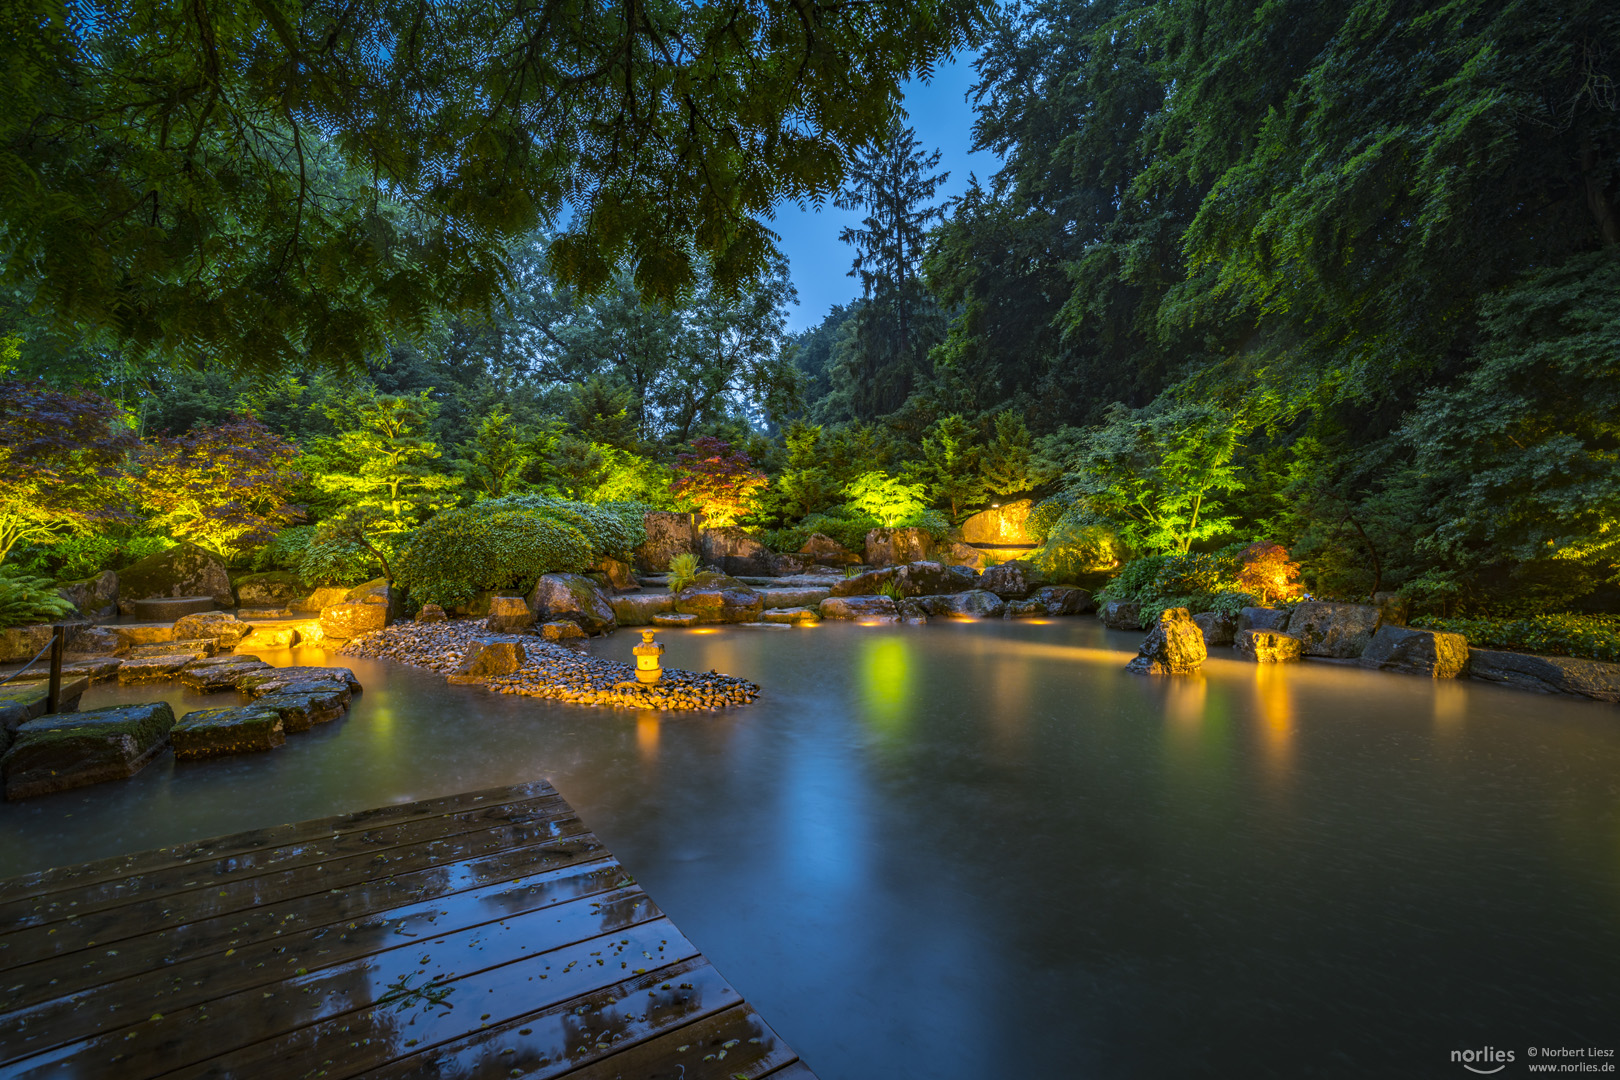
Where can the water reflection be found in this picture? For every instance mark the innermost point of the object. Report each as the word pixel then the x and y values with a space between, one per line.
pixel 886 683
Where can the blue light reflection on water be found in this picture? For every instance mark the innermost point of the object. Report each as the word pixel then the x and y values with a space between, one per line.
pixel 984 850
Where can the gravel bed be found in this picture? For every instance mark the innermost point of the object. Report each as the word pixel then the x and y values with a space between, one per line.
pixel 552 671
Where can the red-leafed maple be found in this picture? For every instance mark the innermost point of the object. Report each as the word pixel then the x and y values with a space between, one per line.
pixel 717 482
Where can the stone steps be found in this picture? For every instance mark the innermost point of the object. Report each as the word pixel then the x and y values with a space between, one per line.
pixel 195 647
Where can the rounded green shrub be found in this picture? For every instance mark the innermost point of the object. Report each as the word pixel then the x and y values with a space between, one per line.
pixel 462 552
pixel 612 530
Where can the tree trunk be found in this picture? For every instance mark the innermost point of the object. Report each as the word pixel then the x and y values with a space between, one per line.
pixel 1598 200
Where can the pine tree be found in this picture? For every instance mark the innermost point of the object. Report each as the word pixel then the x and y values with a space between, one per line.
pixel 951 465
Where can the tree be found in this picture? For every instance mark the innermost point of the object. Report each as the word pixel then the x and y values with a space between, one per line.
pixel 226 487
pixel 804 485
pixel 497 457
pixel 951 465
pixel 266 183
pixel 1005 464
pixel 721 485
pixel 62 458
pixel 887 498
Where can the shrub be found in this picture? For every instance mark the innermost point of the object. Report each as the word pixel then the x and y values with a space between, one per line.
pixel 316 559
pixel 849 529
pixel 887 498
pixel 80 556
pixel 25 599
pixel 462 552
pixel 1196 581
pixel 1045 515
pixel 683 570
pixel 932 522
pixel 719 484
pixel 612 529
pixel 1070 551
pixel 1589 637
pixel 1267 572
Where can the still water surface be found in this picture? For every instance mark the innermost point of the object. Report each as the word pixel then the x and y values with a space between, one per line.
pixel 984 851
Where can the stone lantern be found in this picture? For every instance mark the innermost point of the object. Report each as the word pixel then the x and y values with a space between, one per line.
pixel 647 653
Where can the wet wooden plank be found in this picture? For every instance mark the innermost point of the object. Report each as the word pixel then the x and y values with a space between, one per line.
pixel 144 862
pixel 518 946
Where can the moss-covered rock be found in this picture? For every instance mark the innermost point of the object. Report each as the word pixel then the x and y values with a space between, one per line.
pixel 208 677
pixel 303 705
pixel 266 682
pixel 95 597
pixel 574 598
pixel 638 609
pixel 63 751
pixel 218 732
pixel 21 702
pixel 183 570
pixel 1175 646
pixel 21 643
pixel 862 608
pixel 1433 653
pixel 717 598
pixel 276 589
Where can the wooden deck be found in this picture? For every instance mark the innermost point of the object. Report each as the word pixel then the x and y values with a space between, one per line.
pixel 479 935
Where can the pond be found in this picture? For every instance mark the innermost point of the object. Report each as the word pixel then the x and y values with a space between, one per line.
pixel 982 850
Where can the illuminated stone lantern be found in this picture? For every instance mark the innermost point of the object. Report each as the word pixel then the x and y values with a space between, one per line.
pixel 647 653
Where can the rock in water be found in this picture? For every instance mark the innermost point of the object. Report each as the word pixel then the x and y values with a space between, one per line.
pixel 62 751
pixel 734 551
pixel 485 658
pixel 789 615
pixel 1010 580
pixel 273 589
pixel 638 609
pixel 1263 618
pixel 1342 631
pixel 303 705
pixel 268 682
pixel 211 678
pixel 1121 615
pixel 970 605
pixel 1547 674
pixel 217 732
pixel 674 620
pixel 222 626
pixel 1421 652
pixel 1218 629
pixel 575 598
pixel 879 608
pixel 508 614
pixel 716 598
pixel 24 701
pixel 1266 646
pixel 1175 646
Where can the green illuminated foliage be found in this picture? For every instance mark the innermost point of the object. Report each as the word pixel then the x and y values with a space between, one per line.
pixel 887 498
pixel 25 600
pixel 226 487
pixel 720 484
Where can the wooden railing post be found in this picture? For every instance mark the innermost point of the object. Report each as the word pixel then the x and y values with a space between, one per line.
pixel 53 694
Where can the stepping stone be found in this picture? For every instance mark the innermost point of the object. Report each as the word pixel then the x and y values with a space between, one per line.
pixel 169 608
pixel 21 702
pixel 763 626
pixel 137 634
pixel 303 708
pixel 674 619
pixel 270 637
pixel 192 647
pixel 95 669
pixel 222 661
pixel 209 677
pixel 145 669
pixel 218 732
pixel 789 615
pixel 266 682
pixel 56 753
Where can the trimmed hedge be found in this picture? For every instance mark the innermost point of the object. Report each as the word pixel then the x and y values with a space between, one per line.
pixel 460 553
pixel 1587 637
pixel 613 530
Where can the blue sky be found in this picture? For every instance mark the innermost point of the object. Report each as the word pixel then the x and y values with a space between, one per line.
pixel 818 262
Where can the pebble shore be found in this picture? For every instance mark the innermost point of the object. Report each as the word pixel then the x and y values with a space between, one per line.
pixel 552 671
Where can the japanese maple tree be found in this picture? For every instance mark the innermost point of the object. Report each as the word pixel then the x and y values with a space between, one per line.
pixel 720 484
pixel 225 488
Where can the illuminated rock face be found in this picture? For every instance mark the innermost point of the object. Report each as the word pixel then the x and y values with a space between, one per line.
pixel 508 615
pixel 1263 618
pixel 716 598
pixel 1420 652
pixel 859 607
pixel 1266 646
pixel 575 598
pixel 183 570
pixel 1342 631
pixel 1175 646
pixel 999 525
pixel 485 658
pixel 668 535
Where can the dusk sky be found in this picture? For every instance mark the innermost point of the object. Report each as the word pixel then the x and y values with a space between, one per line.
pixel 819 263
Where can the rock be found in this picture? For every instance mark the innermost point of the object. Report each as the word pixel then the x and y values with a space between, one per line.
pixel 794 597
pixel 1121 615
pixel 1266 646
pixel 1064 599
pixel 1393 609
pixel 734 551
pixel 1218 629
pixel 865 584
pixel 270 637
pixel 716 598
pixel 638 609
pixel 485 658
pixel 320 599
pixel 1336 630
pixel 1263 618
pixel 134 635
pixel 674 619
pixel 478 607
pixel 303 705
pixel 956 553
pixel 21 702
pixel 276 589
pixel 96 597
pixel 19 643
pixel 95 669
pixel 789 615
pixel 973 604
pixel 170 608
pixel 826 551
pixel 575 598
pixel 1175 646
pixel 244 729
pixel 889 547
pixel 211 677
pixel 859 607
pixel 1010 580
pixel 222 626
pixel 508 615
pixel 142 669
pixel 378 591
pixel 431 613
pixel 269 682
pixel 1420 652
pixel 344 621
pixel 195 648
pixel 183 570
pixel 791 565
pixel 999 525
pixel 668 535
pixel 96 641
pixel 1547 674
pixel 619 575
pixel 63 751
pixel 928 578
pixel 561 631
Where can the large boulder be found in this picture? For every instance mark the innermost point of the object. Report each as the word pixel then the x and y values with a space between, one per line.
pixel 638 609
pixel 717 598
pixel 574 598
pixel 21 643
pixel 508 615
pixel 241 729
pixel 828 552
pixel 956 553
pixel 620 575
pixel 734 552
pixel 934 579
pixel 1010 580
pixel 862 608
pixel 1263 618
pixel 972 604
pixel 222 626
pixel 1217 629
pixel 1050 600
pixel 890 547
pixel 1547 674
pixel 1175 646
pixel 1266 646
pixel 63 751
pixel 275 589
pixel 867 584
pixel 183 570
pixel 483 659
pixel 1421 652
pixel 999 524
pixel 95 597
pixel 1121 615
pixel 341 622
pixel 668 535
pixel 319 599
pixel 1342 631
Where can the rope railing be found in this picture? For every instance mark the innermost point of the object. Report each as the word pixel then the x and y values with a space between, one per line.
pixel 53 688
pixel 31 663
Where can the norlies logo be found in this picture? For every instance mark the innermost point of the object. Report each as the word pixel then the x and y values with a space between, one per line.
pixel 1484 1061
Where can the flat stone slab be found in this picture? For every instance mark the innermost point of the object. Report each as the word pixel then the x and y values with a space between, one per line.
pixel 56 753
pixel 144 669
pixel 218 732
pixel 303 705
pixel 135 634
pixel 271 637
pixel 95 668
pixel 674 619
pixel 1567 675
pixel 170 608
pixel 268 682
pixel 789 615
pixel 193 647
pixel 21 702
pixel 211 678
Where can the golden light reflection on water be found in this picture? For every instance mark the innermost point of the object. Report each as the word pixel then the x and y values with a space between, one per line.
pixel 647 730
pixel 1276 715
